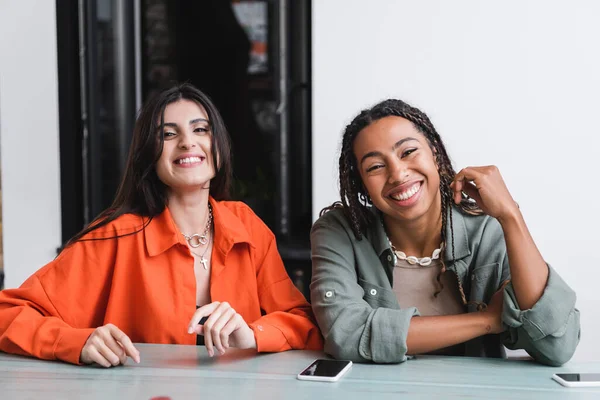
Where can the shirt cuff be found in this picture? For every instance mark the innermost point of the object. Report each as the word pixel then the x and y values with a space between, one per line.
pixel 384 338
pixel 69 345
pixel 548 315
pixel 268 338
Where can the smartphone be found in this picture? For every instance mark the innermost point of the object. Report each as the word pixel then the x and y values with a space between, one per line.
pixel 577 380
pixel 325 370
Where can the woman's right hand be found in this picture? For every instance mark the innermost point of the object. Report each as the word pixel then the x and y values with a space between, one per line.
pixel 108 346
pixel 224 328
pixel 494 311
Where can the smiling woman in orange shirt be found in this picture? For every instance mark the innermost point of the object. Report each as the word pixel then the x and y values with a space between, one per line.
pixel 169 252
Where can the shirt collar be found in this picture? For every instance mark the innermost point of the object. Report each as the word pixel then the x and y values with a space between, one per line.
pixel 379 239
pixel 161 233
pixel 229 228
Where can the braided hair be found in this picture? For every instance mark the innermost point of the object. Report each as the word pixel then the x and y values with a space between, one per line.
pixel 355 201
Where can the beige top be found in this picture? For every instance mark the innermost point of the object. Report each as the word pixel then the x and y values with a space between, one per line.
pixel 415 286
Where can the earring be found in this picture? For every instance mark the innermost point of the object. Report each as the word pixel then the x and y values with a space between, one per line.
pixel 364 199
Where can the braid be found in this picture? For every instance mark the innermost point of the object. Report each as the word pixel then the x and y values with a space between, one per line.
pixel 446 199
pixel 354 200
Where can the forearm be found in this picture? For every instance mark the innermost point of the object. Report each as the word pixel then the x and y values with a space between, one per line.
pixel 426 334
pixel 529 272
pixel 49 338
pixel 30 325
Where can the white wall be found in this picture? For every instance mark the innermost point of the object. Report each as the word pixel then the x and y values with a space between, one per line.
pixel 514 83
pixel 29 137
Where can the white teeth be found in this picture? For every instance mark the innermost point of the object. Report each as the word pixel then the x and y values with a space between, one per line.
pixel 189 160
pixel 407 194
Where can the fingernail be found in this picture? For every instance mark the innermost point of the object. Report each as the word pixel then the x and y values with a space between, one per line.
pixel 190 330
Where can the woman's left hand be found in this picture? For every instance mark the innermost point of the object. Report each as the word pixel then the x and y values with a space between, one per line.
pixel 224 328
pixel 486 186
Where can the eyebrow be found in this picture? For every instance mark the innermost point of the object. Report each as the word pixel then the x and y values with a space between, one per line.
pixel 394 147
pixel 192 122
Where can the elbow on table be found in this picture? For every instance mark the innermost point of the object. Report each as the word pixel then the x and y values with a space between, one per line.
pixel 555 357
pixel 341 350
pixel 556 354
pixel 558 351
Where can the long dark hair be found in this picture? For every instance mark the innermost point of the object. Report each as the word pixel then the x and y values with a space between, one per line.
pixel 356 202
pixel 141 192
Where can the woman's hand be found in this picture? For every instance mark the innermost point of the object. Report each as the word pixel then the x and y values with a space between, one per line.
pixel 108 346
pixel 486 186
pixel 224 328
pixel 494 311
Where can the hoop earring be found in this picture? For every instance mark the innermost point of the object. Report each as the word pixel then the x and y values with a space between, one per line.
pixel 364 199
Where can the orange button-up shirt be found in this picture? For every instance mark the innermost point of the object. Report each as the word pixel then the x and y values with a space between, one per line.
pixel 144 283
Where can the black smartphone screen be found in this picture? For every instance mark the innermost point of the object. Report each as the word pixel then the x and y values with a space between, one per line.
pixel 580 377
pixel 328 368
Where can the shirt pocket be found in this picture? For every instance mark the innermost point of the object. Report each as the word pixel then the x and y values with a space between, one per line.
pixel 378 296
pixel 484 282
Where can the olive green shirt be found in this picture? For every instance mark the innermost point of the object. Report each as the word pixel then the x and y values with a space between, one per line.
pixel 361 320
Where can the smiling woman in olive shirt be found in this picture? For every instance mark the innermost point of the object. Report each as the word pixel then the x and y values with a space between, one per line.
pixel 419 259
pixel 168 244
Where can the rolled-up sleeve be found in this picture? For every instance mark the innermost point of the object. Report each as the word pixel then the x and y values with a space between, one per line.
pixel 550 330
pixel 352 329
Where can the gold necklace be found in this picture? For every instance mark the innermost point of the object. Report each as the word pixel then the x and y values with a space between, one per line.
pixel 197 240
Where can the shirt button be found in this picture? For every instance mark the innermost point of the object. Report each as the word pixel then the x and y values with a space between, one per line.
pixel 373 292
pixel 473 277
pixel 329 293
pixel 389 257
pixel 259 327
